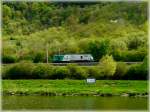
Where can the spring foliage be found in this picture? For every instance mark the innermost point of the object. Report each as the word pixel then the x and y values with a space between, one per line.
pixel 115 28
pixel 107 69
pixel 107 65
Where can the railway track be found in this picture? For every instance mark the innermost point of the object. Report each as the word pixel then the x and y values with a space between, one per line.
pixel 83 63
pixel 90 63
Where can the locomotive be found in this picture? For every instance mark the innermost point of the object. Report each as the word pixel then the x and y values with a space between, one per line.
pixel 73 58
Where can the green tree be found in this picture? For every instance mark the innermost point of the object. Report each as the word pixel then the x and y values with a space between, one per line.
pixel 107 65
pixel 99 48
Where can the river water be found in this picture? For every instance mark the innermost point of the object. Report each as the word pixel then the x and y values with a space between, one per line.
pixel 73 103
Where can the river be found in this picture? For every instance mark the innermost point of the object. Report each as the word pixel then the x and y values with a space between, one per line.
pixel 73 103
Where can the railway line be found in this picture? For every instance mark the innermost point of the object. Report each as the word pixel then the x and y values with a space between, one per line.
pixel 81 63
pixel 89 63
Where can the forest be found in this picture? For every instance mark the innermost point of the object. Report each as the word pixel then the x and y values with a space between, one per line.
pixel 119 29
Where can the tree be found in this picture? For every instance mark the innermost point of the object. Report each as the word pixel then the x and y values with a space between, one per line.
pixel 7 12
pixel 107 65
pixel 99 48
pixel 136 39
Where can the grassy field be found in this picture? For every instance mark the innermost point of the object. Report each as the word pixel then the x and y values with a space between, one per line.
pixel 74 87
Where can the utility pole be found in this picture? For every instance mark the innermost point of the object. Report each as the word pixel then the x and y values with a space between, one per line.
pixel 47 53
pixel 59 50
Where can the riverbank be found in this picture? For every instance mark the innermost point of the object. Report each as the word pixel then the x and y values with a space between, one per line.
pixel 75 87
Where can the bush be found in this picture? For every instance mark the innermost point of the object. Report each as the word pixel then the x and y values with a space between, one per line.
pixel 121 70
pixel 136 40
pixel 131 55
pixel 134 55
pixel 145 67
pixel 43 71
pixel 118 45
pixel 138 71
pixel 5 70
pixel 39 57
pixel 107 69
pixel 95 72
pixel 118 55
pixel 76 72
pixel 107 66
pixel 9 59
pixel 133 72
pixel 21 70
pixel 60 73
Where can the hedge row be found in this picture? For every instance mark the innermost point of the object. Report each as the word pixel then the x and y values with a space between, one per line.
pixel 72 71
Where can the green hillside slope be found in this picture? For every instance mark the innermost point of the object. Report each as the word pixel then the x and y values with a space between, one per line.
pixel 117 28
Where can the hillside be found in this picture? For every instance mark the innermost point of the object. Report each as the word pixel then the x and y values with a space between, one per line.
pixel 117 28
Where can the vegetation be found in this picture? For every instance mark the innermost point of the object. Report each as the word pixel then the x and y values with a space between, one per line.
pixel 114 28
pixel 138 71
pixel 121 70
pixel 107 66
pixel 74 87
pixel 108 69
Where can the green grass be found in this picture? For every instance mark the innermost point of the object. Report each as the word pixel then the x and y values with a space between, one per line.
pixel 73 87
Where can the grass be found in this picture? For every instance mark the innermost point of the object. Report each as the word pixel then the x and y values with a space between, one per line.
pixel 74 87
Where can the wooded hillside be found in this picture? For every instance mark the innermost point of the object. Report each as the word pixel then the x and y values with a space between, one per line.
pixel 115 28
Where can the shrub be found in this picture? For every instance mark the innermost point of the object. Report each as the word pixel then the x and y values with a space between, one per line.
pixel 39 57
pixel 95 72
pixel 118 45
pixel 5 70
pixel 136 40
pixel 21 70
pixel 107 66
pixel 76 72
pixel 60 73
pixel 43 71
pixel 144 68
pixel 134 55
pixel 118 55
pixel 138 71
pixel 133 72
pixel 9 59
pixel 131 55
pixel 121 70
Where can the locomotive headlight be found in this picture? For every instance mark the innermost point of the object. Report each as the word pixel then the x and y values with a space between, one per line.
pixel 91 58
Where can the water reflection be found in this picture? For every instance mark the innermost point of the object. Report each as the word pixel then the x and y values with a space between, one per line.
pixel 74 103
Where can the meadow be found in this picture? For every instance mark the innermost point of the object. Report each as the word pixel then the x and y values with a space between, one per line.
pixel 75 87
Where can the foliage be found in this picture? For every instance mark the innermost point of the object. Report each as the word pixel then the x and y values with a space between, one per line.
pixel 139 72
pixel 95 72
pixel 115 28
pixel 99 48
pixel 107 65
pixel 28 70
pixel 130 55
pixel 75 72
pixel 121 70
pixel 60 73
pixel 9 59
pixel 136 40
pixel 39 57
pixel 135 55
pixel 21 70
pixel 42 71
